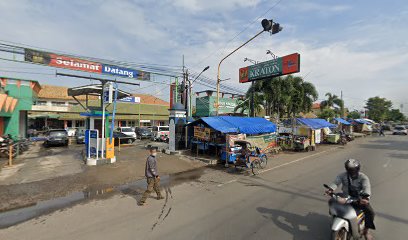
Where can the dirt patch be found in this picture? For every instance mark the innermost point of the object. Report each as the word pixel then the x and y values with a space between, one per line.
pixel 129 167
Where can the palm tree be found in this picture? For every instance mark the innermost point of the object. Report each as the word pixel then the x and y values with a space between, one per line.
pixel 244 104
pixel 331 100
pixel 281 95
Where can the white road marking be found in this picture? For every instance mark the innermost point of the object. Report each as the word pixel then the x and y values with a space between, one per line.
pixel 279 166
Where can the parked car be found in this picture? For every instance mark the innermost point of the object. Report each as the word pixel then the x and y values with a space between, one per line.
pixel 123 138
pixel 143 133
pixel 128 131
pixel 80 136
pixel 158 132
pixel 400 130
pixel 56 137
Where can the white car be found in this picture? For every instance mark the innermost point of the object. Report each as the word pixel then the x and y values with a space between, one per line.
pixel 159 131
pixel 400 130
pixel 128 131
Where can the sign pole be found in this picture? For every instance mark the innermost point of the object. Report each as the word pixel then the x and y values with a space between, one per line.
pixel 219 65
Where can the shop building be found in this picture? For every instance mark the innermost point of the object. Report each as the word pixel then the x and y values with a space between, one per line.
pixel 16 100
pixel 55 109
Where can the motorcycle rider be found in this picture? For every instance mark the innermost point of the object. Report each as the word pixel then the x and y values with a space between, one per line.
pixel 353 184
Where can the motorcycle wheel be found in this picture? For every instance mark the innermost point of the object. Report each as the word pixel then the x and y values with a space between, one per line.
pixel 342 234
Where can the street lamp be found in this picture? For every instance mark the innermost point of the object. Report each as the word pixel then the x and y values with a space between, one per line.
pixel 190 109
pixel 268 26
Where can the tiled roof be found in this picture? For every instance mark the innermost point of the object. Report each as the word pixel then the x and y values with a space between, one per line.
pixel 316 106
pixel 58 92
pixel 149 99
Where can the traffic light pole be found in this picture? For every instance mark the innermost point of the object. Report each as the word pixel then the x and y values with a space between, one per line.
pixel 219 65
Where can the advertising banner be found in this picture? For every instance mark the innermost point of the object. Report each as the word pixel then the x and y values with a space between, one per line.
pixel 67 62
pixel 202 133
pixel 272 68
pixel 264 142
pixel 232 138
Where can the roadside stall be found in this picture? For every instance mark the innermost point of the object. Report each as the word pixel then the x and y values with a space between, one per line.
pixel 216 136
pixel 316 129
pixel 362 126
pixel 344 125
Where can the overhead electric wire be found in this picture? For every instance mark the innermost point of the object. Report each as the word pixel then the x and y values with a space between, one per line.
pixel 154 68
pixel 239 33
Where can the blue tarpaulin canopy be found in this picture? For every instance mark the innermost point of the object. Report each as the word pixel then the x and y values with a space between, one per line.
pixel 315 123
pixel 247 125
pixel 362 121
pixel 342 121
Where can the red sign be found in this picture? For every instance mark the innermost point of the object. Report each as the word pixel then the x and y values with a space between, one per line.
pixel 74 64
pixel 290 64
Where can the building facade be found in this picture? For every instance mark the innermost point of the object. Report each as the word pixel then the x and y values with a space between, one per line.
pixel 16 100
pixel 55 109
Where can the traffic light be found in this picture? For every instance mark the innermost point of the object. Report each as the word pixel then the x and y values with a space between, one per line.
pixel 276 28
pixel 267 24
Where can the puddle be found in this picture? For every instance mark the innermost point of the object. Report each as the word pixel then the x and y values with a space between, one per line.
pixel 15 216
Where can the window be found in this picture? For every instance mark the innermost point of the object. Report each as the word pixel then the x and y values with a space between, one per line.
pixel 58 104
pixel 131 123
pixel 41 103
pixel 79 123
pixel 73 104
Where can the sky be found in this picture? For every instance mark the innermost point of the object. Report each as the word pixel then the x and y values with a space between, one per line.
pixel 359 48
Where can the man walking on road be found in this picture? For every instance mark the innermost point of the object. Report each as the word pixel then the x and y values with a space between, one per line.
pixel 152 175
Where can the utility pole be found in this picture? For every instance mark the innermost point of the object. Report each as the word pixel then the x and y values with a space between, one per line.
pixel 342 103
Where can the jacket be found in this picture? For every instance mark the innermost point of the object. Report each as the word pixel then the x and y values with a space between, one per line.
pixel 151 167
pixel 361 184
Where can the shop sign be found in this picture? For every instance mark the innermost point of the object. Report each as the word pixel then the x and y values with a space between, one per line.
pixel 77 64
pixel 202 133
pixel 272 68
pixel 130 99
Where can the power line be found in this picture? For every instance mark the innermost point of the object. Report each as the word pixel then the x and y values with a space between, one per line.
pixel 239 33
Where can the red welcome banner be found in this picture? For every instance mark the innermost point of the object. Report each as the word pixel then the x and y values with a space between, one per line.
pixel 74 64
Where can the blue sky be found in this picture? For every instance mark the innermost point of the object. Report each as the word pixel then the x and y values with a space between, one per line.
pixel 359 47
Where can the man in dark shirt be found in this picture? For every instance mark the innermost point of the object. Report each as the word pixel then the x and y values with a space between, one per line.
pixel 152 175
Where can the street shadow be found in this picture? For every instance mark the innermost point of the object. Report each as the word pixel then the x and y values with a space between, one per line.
pixel 399 155
pixel 251 182
pixel 312 226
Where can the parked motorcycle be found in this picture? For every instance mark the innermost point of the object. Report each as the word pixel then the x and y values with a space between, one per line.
pixel 347 223
pixel 343 140
pixel 164 138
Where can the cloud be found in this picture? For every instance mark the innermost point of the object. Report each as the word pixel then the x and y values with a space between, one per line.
pixel 213 5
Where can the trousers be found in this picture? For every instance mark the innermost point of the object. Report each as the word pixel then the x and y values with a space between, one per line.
pixel 152 184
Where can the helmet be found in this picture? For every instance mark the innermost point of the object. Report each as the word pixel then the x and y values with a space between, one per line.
pixel 352 167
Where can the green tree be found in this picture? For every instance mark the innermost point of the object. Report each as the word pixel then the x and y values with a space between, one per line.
pixel 288 95
pixel 327 113
pixel 395 115
pixel 354 115
pixel 378 108
pixel 331 100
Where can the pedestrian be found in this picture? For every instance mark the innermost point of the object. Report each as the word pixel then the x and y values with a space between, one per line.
pixel 152 176
pixel 382 130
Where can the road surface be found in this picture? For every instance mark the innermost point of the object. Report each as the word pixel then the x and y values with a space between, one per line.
pixel 283 202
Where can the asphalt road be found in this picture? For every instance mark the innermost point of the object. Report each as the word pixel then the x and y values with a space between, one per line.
pixel 284 202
